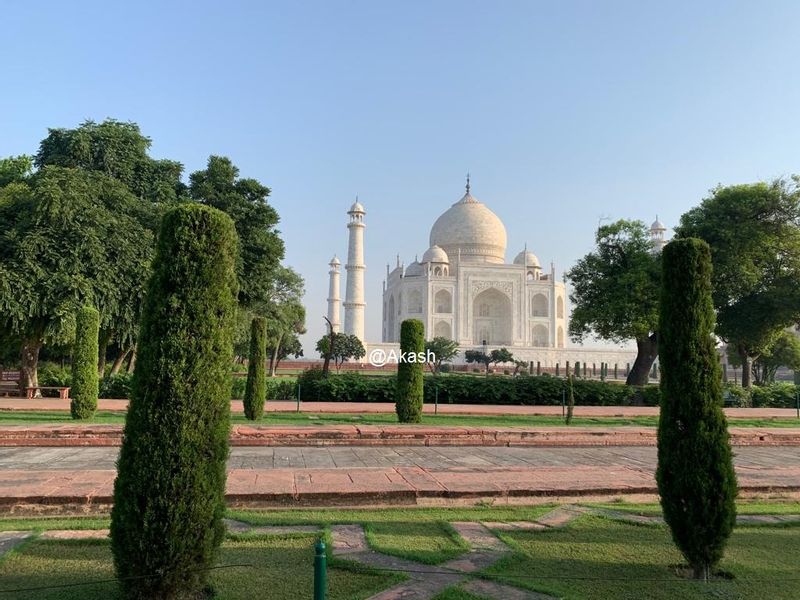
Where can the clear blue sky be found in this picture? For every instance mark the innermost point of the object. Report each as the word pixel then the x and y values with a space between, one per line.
pixel 564 112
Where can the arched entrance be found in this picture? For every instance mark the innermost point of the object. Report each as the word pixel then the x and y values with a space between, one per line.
pixel 491 318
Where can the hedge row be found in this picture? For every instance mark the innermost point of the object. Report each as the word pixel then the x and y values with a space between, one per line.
pixel 466 389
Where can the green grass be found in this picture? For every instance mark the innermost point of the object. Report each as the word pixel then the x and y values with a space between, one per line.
pixel 598 559
pixel 8 417
pixel 330 516
pixel 428 542
pixel 456 593
pixel 280 567
pixel 742 508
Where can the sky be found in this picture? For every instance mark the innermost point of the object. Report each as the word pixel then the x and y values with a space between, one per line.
pixel 565 113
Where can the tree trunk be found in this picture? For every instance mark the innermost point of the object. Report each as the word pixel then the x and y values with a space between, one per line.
pixel 646 354
pixel 132 363
pixel 117 365
pixel 105 338
pixel 273 360
pixel 747 366
pixel 29 363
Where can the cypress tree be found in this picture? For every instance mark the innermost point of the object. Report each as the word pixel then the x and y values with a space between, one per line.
pixel 255 393
pixel 695 472
pixel 166 523
pixel 408 399
pixel 85 385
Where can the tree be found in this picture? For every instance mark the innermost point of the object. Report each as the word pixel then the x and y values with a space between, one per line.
pixel 345 347
pixel 72 238
pixel 409 394
pixel 615 292
pixel 85 386
pixel 498 355
pixel 519 364
pixel 442 350
pixel 255 393
pixel 570 399
pixel 754 234
pixel 166 522
pixel 783 352
pixel 501 355
pixel 245 201
pixel 695 473
pixel 289 347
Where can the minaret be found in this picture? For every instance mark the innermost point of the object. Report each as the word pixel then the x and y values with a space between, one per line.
pixel 354 296
pixel 333 294
pixel 657 231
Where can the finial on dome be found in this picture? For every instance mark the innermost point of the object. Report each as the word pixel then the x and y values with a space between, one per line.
pixel 467 183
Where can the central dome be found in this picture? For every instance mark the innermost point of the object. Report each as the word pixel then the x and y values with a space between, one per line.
pixel 470 229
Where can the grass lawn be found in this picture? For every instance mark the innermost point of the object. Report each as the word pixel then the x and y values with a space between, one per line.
pixel 281 567
pixel 8 417
pixel 456 593
pixel 591 558
pixel 742 508
pixel 598 559
pixel 431 542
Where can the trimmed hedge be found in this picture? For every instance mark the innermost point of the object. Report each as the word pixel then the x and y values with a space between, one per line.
pixel 85 380
pixel 255 392
pixel 116 386
pixel 166 521
pixel 467 389
pixel 409 394
pixel 695 475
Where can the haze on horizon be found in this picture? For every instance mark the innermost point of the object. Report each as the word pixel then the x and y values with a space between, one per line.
pixel 565 114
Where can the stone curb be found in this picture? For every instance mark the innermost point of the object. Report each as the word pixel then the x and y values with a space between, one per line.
pixel 394 435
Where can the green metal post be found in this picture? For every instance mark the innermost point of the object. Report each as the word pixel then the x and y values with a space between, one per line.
pixel 298 396
pixel 563 401
pixel 436 401
pixel 320 572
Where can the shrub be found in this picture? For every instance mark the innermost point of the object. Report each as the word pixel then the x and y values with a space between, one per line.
pixel 85 388
pixel 116 386
pixel 775 395
pixel 695 472
pixel 408 401
pixel 53 375
pixel 166 522
pixel 255 393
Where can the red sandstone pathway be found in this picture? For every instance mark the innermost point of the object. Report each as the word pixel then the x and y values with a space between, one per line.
pixel 22 490
pixel 53 404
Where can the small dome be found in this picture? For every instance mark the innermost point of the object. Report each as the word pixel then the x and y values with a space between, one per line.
pixel 334 261
pixel 414 269
pixel 657 226
pixel 435 254
pixel 357 208
pixel 526 257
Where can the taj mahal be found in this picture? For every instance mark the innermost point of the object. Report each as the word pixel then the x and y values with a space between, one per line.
pixel 464 290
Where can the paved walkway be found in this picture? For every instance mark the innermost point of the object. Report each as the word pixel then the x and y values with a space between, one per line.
pixel 385 407
pixel 81 478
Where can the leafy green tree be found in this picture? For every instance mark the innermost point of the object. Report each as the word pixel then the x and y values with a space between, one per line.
pixel 85 385
pixel 72 238
pixel 255 393
pixel 754 234
pixel 615 292
pixel 783 352
pixel 290 346
pixel 410 376
pixel 166 522
pixel 498 355
pixel 245 201
pixel 695 473
pixel 443 349
pixel 15 169
pixel 118 150
pixel 479 357
pixel 345 347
